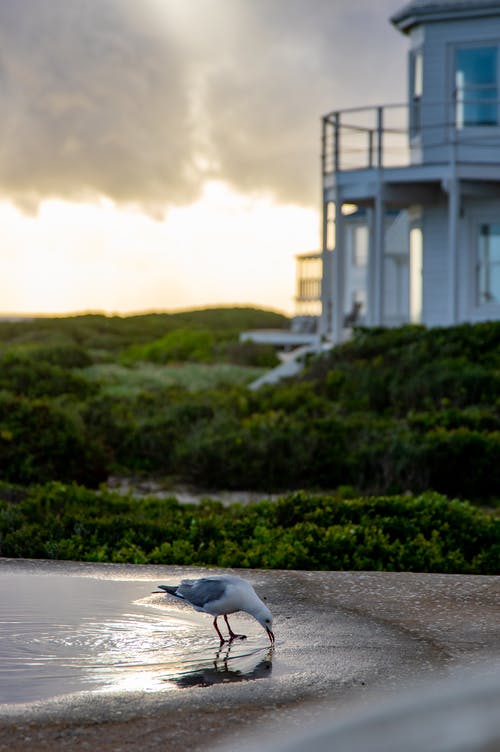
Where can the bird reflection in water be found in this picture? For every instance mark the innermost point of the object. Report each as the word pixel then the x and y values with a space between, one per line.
pixel 220 672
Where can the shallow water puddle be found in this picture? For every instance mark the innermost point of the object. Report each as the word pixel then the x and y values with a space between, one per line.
pixel 61 634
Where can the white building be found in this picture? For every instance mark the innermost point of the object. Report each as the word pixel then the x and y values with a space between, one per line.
pixel 411 193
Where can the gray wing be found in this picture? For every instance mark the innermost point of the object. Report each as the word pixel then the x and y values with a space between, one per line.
pixel 201 592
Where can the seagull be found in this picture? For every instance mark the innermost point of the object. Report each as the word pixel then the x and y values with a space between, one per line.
pixel 220 595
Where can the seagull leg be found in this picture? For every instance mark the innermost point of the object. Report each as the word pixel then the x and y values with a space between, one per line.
pixel 232 635
pixel 222 640
pixel 225 656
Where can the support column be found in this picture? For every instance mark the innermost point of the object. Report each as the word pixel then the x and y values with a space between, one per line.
pixel 326 324
pixel 338 272
pixel 453 220
pixel 326 320
pixel 376 263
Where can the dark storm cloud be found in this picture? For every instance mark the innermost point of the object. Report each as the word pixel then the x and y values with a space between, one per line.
pixel 290 62
pixel 95 102
pixel 140 101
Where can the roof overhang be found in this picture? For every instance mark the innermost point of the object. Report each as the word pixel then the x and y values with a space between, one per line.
pixel 428 11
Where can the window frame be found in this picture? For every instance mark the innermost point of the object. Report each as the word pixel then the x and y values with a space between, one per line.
pixel 477 217
pixel 416 93
pixel 479 226
pixel 474 45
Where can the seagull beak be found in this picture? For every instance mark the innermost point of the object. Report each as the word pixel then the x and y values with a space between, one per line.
pixel 270 635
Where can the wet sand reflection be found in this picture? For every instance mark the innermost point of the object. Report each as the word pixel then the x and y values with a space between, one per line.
pixel 63 634
pixel 227 669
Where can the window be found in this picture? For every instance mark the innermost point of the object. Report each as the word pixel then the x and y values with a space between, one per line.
pixel 488 264
pixel 330 226
pixel 416 275
pixel 476 86
pixel 416 89
pixel 360 246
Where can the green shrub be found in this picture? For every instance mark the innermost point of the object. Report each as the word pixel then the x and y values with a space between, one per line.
pixel 194 345
pixel 466 463
pixel 41 440
pixel 455 381
pixel 111 334
pixel 391 411
pixel 25 373
pixel 475 418
pixel 248 354
pixel 300 531
pixel 152 379
pixel 64 355
pixel 412 368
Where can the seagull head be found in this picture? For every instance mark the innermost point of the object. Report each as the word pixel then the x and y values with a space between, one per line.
pixel 265 619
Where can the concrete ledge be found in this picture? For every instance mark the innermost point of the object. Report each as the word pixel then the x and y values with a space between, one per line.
pixel 447 715
pixel 342 638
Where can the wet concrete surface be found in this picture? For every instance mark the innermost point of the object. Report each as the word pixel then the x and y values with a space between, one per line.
pixel 341 637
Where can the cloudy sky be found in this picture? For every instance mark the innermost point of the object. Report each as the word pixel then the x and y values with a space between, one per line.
pixel 164 154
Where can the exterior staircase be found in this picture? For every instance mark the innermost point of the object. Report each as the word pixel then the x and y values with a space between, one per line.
pixel 292 363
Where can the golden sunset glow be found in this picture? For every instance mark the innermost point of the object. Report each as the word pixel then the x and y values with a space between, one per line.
pixel 225 248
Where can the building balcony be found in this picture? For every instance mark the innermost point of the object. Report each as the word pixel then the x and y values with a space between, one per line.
pixel 416 143
pixel 413 151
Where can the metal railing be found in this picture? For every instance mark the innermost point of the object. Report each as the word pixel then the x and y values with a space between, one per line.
pixel 365 137
pixel 390 135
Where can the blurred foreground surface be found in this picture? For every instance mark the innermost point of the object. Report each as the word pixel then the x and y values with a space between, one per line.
pixel 90 657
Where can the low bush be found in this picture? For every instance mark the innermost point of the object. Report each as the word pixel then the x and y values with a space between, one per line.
pixel 41 440
pixel 390 411
pixel 112 334
pixel 412 368
pixel 248 354
pixel 142 378
pixel 426 533
pixel 181 345
pixel 26 372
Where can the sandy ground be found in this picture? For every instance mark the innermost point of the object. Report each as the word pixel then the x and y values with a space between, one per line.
pixel 341 637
